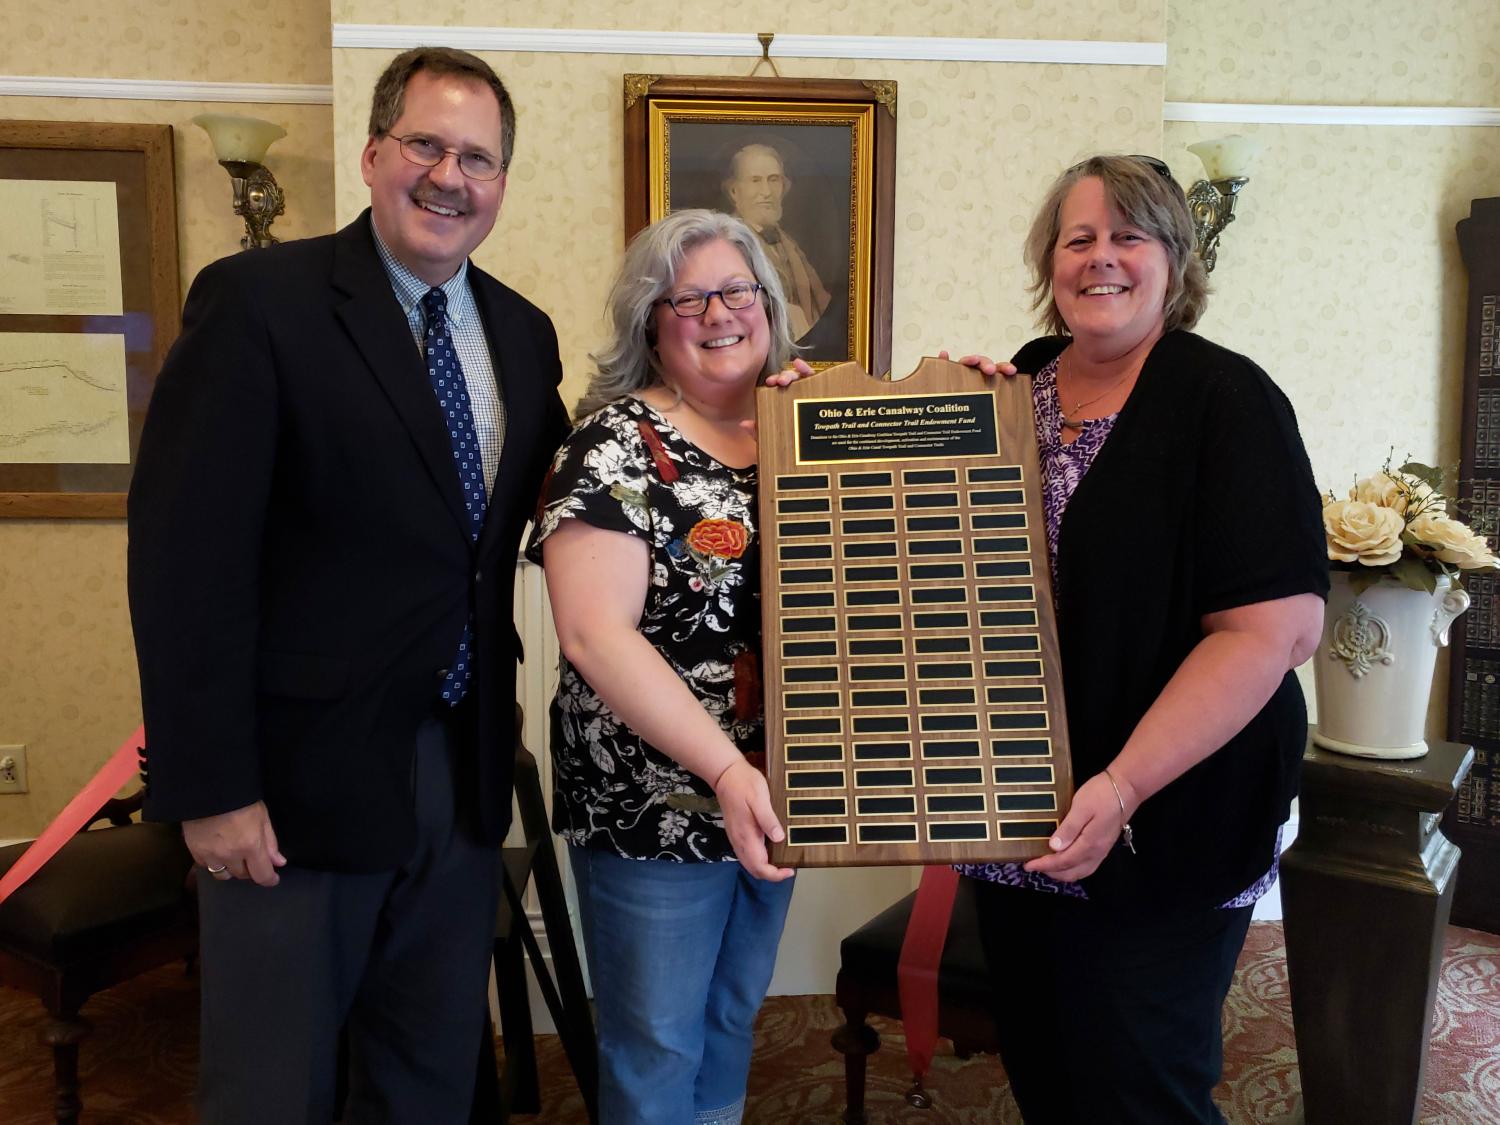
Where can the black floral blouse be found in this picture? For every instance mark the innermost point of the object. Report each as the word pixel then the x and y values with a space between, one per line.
pixel 626 468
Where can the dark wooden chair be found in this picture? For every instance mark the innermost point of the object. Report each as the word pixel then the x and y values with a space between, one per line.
pixel 867 986
pixel 515 1090
pixel 111 904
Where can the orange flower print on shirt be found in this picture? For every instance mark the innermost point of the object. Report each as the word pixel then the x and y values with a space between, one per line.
pixel 724 538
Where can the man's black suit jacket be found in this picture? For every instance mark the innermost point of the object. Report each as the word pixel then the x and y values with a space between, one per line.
pixel 300 568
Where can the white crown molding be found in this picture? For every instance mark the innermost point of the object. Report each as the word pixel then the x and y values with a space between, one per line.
pixel 1075 51
pixel 1246 114
pixel 791 46
pixel 563 41
pixel 151 90
pixel 581 41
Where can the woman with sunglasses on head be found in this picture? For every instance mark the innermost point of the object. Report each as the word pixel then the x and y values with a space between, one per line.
pixel 647 532
pixel 1189 572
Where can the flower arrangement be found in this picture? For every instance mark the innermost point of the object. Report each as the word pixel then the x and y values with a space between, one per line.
pixel 1401 522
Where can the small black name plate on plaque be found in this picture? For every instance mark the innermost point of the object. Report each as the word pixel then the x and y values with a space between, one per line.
pixel 914 709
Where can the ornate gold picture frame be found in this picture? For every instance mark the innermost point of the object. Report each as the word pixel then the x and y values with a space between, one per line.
pixel 810 164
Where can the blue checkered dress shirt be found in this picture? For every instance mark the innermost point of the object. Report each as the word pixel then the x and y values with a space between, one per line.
pixel 468 340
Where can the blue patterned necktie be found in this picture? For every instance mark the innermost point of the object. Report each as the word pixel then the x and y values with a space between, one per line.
pixel 453 398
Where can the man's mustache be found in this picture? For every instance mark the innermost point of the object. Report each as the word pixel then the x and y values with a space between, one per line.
pixel 454 200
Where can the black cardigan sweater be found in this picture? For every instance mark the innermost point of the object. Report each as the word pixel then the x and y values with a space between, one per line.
pixel 1201 500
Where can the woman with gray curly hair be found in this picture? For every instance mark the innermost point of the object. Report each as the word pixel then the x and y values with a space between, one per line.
pixel 647 531
pixel 1189 573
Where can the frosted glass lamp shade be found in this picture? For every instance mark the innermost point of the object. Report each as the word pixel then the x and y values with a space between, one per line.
pixel 239 138
pixel 1226 158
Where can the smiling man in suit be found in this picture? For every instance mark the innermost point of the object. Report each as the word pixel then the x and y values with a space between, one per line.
pixel 338 461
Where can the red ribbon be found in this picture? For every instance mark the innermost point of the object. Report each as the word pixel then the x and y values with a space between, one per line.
pixel 120 768
pixel 664 466
pixel 917 969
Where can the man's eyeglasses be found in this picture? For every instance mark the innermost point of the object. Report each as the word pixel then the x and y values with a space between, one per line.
pixel 429 154
pixel 694 302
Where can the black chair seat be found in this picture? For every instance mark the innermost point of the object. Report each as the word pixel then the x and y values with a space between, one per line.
pixel 867 985
pixel 110 904
pixel 871 953
pixel 103 888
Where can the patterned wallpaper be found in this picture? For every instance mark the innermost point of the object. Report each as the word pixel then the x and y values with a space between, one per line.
pixel 976 147
pixel 1124 20
pixel 182 40
pixel 68 691
pixel 1353 301
pixel 206 224
pixel 68 687
pixel 1335 52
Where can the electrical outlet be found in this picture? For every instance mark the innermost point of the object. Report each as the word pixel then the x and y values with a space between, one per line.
pixel 12 769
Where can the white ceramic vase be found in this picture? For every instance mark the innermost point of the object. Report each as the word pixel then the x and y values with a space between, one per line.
pixel 1373 668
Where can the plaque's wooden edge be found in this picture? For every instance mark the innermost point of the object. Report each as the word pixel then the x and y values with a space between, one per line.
pixel 849 380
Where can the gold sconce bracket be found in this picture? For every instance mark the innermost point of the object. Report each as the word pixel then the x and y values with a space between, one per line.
pixel 1212 204
pixel 1226 165
pixel 240 143
pixel 258 199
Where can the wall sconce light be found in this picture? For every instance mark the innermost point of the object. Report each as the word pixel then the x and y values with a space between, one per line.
pixel 240 143
pixel 1227 162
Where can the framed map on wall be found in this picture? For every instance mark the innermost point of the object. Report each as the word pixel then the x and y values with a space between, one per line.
pixel 88 307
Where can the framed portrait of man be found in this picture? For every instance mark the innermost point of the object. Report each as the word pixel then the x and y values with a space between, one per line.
pixel 808 164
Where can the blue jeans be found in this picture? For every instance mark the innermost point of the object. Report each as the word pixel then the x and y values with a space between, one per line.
pixel 681 955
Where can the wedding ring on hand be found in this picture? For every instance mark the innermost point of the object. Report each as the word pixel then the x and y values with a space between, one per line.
pixel 217 871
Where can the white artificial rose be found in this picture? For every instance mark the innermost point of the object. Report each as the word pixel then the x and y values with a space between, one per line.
pixel 1380 489
pixel 1452 542
pixel 1396 492
pixel 1421 491
pixel 1363 532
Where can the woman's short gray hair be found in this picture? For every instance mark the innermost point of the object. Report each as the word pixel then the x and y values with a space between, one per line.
pixel 1148 199
pixel 629 362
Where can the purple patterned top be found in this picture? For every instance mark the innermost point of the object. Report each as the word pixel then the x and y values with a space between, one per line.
pixel 1063 466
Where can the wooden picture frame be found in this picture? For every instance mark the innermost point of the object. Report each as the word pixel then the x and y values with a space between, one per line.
pixel 826 147
pixel 71 404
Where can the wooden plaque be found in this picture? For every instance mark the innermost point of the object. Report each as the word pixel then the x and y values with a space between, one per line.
pixel 914 707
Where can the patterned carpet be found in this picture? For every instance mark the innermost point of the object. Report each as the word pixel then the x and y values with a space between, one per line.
pixel 138 1067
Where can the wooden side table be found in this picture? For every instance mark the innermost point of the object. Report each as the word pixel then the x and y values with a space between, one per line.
pixel 1366 889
